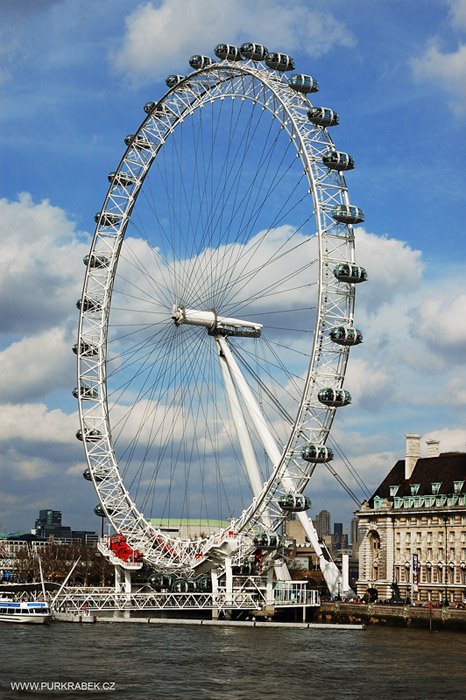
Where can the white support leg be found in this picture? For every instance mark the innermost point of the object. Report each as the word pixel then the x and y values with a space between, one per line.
pixel 241 428
pixel 214 577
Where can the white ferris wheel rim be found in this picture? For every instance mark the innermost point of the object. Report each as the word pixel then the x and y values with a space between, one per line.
pixel 334 302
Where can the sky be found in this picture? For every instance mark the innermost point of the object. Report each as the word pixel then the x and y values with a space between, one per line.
pixel 74 76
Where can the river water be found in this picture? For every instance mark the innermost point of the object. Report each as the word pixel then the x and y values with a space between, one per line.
pixel 188 662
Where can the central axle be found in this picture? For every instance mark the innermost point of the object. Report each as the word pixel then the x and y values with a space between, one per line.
pixel 216 325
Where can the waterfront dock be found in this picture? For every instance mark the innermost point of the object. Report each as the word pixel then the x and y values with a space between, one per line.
pixel 445 618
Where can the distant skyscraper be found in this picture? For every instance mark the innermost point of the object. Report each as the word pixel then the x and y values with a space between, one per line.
pixel 340 540
pixel 322 524
pixel 354 531
pixel 49 523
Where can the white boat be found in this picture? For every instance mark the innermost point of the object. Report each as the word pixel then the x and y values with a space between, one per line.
pixel 31 612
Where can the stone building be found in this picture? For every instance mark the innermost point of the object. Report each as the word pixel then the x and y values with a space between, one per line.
pixel 413 528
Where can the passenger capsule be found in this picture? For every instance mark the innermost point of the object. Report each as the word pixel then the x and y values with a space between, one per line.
pixel 137 142
pixel 94 260
pixel 256 52
pixel 337 160
pixel 294 502
pixel 266 541
pixel 172 80
pixel 323 116
pixel 228 52
pixel 334 397
pixel 87 475
pixel 303 83
pixel 89 435
pixel 158 108
pixel 316 453
pixel 106 218
pixel 279 61
pixel 347 272
pixel 348 214
pixel 344 335
pixel 85 392
pixel 198 62
pixel 87 304
pixel 86 349
pixel 123 179
pixel 99 510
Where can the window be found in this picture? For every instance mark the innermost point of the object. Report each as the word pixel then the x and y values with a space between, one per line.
pixel 394 490
pixel 436 487
pixel 414 489
pixel 457 486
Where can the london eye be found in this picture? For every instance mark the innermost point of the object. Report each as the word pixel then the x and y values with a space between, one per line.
pixel 217 313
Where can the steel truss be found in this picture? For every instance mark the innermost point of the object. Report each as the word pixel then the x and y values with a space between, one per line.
pixel 270 89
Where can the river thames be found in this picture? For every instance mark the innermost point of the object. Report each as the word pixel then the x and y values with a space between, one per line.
pixel 188 662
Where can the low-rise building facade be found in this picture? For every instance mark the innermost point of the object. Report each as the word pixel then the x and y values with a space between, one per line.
pixel 413 529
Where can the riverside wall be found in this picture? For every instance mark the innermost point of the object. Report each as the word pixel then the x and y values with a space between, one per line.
pixel 392 615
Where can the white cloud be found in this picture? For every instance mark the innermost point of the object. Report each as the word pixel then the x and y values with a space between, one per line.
pixel 451 439
pixel 34 367
pixel 441 325
pixel 34 423
pixel 393 268
pixel 160 40
pixel 458 13
pixel 40 268
pixel 444 69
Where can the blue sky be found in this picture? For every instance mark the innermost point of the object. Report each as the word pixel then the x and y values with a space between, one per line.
pixel 74 77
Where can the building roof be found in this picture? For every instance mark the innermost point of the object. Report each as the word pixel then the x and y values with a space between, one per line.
pixel 447 468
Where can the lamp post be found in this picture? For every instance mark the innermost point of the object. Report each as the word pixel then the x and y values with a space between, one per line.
pixel 445 568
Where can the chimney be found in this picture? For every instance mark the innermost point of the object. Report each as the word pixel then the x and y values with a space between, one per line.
pixel 433 448
pixel 413 450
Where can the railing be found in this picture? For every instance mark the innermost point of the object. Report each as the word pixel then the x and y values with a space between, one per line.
pixel 247 597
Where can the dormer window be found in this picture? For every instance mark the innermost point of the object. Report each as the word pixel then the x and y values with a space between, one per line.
pixel 436 487
pixel 414 489
pixel 394 490
pixel 458 486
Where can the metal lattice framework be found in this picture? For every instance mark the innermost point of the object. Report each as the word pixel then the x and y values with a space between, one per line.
pixel 167 249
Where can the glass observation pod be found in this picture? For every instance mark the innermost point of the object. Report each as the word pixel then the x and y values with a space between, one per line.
pixel 337 160
pixel 86 349
pixel 106 218
pixel 88 477
pixel 303 83
pixel 89 435
pixel 323 116
pixel 198 61
pixel 256 52
pixel 266 541
pixel 343 335
pixel 294 502
pixel 137 142
pixel 279 61
pixel 348 214
pixel 85 392
pixel 347 272
pixel 228 52
pixel 99 511
pixel 157 108
pixel 316 453
pixel 88 304
pixel 123 179
pixel 172 80
pixel 96 260
pixel 334 397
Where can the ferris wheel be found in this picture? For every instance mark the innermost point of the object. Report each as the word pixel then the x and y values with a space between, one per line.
pixel 217 312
